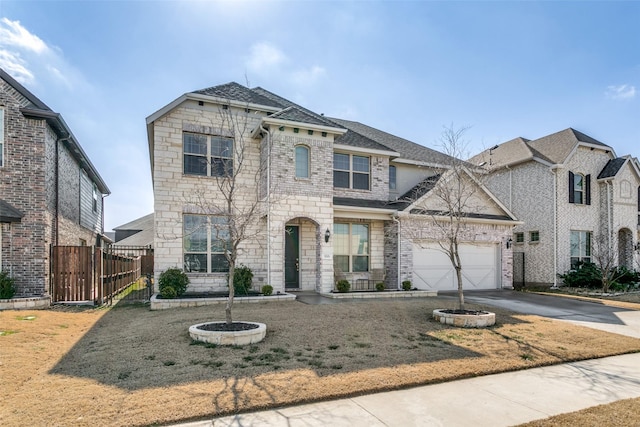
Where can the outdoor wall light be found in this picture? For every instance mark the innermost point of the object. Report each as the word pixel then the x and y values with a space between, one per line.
pixel 327 234
pixel 509 242
pixel 637 247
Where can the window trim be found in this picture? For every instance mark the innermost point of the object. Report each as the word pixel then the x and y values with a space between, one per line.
pixel 212 238
pixel 585 191
pixel 393 184
pixel 518 237
pixel 586 244
pixel 352 172
pixel 351 256
pixel 209 156
pixel 535 233
pixel 308 156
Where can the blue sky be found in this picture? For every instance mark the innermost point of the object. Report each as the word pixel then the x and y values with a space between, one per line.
pixel 506 69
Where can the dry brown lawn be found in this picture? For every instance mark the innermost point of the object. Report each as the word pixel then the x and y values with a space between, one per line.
pixel 131 366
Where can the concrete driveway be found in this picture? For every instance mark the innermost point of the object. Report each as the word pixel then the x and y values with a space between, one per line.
pixel 593 314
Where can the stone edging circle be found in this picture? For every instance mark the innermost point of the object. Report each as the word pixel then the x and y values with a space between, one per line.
pixel 250 336
pixel 481 320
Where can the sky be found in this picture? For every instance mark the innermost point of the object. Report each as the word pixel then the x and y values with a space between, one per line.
pixel 503 69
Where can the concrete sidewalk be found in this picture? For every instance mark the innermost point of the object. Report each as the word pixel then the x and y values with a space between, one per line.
pixel 494 400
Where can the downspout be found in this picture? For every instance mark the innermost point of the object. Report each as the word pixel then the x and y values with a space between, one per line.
pixel 268 136
pixel 397 221
pixel 555 228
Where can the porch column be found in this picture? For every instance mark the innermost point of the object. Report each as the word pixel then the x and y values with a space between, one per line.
pixel 324 253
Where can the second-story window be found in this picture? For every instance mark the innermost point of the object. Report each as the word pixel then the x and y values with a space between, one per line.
pixel 95 198
pixel 579 189
pixel 207 155
pixel 302 162
pixel 392 177
pixel 351 171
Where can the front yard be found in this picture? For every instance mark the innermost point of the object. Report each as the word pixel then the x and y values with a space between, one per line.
pixel 130 366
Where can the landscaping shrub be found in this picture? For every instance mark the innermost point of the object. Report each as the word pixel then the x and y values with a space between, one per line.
pixel 586 275
pixel 7 286
pixel 380 286
pixel 343 285
pixel 267 290
pixel 406 285
pixel 172 283
pixel 242 280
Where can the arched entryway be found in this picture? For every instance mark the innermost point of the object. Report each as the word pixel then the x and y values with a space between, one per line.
pixel 625 248
pixel 301 254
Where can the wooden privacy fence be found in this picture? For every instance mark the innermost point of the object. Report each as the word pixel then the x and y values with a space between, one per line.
pixel 90 274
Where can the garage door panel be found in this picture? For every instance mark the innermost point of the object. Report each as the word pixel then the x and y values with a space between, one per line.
pixel 433 271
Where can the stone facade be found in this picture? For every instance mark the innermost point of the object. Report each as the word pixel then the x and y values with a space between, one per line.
pixel 39 174
pixel 268 181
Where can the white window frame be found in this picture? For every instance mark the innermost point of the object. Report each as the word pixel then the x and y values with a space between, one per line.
pixel 353 248
pixel 393 184
pixel 216 245
pixel 518 237
pixel 210 157
pixel 532 234
pixel 580 242
pixel 351 171
pixel 300 173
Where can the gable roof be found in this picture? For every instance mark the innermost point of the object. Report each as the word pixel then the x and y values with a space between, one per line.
pixel 142 223
pixel 612 167
pixel 39 110
pixel 237 92
pixel 552 149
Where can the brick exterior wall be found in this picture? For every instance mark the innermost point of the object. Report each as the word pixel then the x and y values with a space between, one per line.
pixel 539 195
pixel 27 182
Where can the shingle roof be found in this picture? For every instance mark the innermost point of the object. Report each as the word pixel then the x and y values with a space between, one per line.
pixel 363 203
pixel 299 115
pixel 554 148
pixel 236 92
pixel 8 213
pixel 466 215
pixel 142 223
pixel 407 149
pixel 420 189
pixel 141 238
pixel 39 110
pixel 612 167
pixel 557 146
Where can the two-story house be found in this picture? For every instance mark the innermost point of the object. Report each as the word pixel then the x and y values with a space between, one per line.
pixel 50 192
pixel 336 198
pixel 577 201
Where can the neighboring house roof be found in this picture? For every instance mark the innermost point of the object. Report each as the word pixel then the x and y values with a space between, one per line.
pixel 552 149
pixel 39 110
pixel 612 167
pixel 407 149
pixel 142 223
pixel 141 238
pixel 8 213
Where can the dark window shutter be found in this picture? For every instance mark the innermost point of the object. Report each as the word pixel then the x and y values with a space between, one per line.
pixel 587 189
pixel 570 187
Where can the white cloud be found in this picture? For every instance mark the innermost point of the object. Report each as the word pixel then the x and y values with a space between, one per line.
pixel 621 92
pixel 309 76
pixel 13 64
pixel 265 56
pixel 12 33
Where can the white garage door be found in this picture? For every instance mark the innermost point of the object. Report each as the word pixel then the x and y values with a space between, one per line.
pixel 432 268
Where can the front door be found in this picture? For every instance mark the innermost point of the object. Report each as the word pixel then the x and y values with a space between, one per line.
pixel 292 257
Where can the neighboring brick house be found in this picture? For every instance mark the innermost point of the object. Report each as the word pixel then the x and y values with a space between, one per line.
pixel 50 193
pixel 331 193
pixel 575 197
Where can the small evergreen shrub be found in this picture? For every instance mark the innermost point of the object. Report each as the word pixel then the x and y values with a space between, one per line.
pixel 586 275
pixel 242 278
pixel 7 286
pixel 380 286
pixel 172 283
pixel 343 286
pixel 267 290
pixel 406 285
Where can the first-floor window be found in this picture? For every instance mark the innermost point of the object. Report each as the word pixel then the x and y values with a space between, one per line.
pixel 534 236
pixel 205 242
pixel 351 247
pixel 580 247
pixel 519 237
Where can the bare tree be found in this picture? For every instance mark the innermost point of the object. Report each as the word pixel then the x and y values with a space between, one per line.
pixel 454 196
pixel 605 257
pixel 232 198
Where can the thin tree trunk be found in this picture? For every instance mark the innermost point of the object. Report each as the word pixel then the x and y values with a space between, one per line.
pixel 227 309
pixel 460 293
